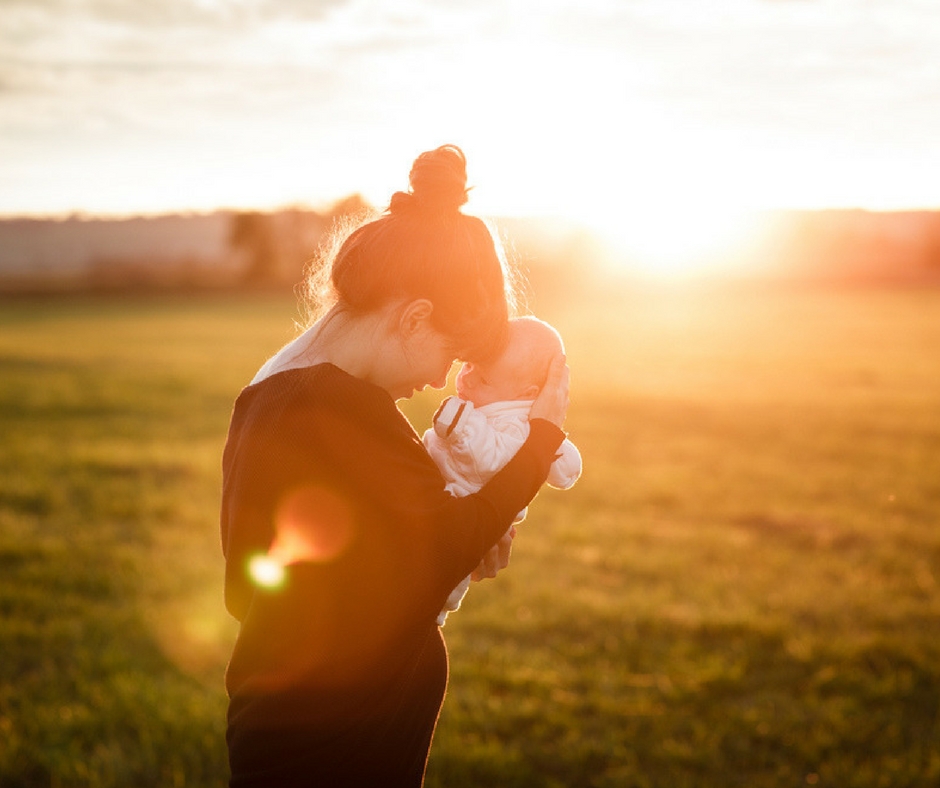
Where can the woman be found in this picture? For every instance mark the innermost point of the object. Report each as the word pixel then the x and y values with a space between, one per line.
pixel 339 669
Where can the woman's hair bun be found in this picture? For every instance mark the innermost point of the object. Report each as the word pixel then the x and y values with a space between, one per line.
pixel 438 181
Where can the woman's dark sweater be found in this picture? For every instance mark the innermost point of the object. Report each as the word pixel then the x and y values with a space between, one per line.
pixel 338 673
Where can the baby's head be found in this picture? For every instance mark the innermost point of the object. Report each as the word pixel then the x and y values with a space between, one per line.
pixel 519 372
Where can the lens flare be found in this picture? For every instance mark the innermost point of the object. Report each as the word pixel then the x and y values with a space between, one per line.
pixel 266 572
pixel 312 524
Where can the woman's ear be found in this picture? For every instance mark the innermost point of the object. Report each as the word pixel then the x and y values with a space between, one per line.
pixel 414 317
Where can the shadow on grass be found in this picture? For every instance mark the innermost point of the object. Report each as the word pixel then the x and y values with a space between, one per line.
pixel 87 696
pixel 660 703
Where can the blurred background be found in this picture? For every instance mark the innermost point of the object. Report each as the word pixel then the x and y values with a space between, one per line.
pixel 731 211
pixel 210 142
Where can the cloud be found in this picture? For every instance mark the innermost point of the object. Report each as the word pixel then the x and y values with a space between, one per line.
pixel 116 81
pixel 220 14
pixel 783 67
pixel 92 53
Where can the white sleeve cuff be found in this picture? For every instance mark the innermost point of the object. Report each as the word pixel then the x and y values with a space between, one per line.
pixel 449 416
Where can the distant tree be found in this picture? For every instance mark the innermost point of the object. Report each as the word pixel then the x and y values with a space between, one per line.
pixel 932 240
pixel 354 205
pixel 252 234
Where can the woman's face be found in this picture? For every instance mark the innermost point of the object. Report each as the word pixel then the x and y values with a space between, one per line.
pixel 430 356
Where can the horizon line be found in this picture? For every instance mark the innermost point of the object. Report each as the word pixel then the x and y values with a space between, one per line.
pixel 80 214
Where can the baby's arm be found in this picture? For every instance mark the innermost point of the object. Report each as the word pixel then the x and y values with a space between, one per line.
pixel 473 442
pixel 566 469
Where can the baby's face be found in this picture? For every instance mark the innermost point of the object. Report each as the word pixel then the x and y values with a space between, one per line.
pixel 519 372
pixel 497 381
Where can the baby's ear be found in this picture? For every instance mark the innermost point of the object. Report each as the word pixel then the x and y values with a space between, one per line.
pixel 531 392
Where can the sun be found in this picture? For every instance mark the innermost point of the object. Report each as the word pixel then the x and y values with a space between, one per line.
pixel 677 240
pixel 663 201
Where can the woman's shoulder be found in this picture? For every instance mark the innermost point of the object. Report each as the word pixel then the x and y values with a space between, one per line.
pixel 322 378
pixel 294 397
pixel 345 421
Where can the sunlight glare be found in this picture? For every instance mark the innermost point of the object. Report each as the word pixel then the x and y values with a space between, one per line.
pixel 312 525
pixel 266 572
pixel 677 241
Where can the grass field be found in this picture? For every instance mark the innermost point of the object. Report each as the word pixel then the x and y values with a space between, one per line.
pixel 742 590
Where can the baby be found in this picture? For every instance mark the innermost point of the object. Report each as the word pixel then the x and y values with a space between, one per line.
pixel 477 432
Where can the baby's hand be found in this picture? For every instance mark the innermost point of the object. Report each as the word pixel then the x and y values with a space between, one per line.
pixel 497 558
pixel 552 401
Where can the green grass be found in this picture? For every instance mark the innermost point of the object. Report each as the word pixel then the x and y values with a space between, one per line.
pixel 741 590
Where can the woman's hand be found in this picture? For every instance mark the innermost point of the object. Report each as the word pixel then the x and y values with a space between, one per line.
pixel 552 402
pixel 497 558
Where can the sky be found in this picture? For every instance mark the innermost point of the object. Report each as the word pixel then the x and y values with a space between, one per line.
pixel 584 109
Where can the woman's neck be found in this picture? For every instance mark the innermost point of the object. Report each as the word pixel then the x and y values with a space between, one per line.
pixel 350 342
pixel 347 341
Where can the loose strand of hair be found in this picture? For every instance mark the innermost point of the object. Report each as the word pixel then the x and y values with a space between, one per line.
pixel 316 293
